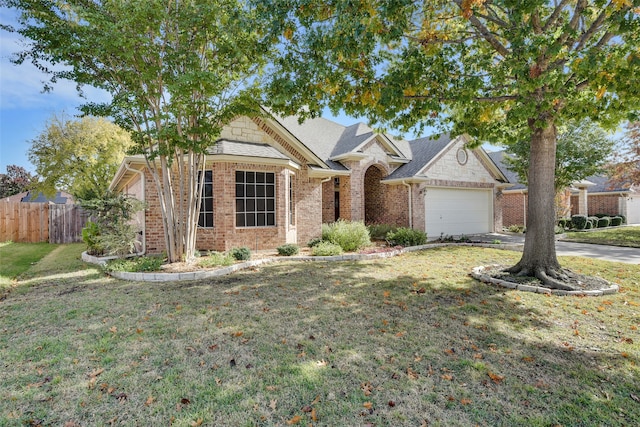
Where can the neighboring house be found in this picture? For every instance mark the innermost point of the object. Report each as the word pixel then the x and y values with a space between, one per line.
pixel 60 198
pixel 593 195
pixel 271 180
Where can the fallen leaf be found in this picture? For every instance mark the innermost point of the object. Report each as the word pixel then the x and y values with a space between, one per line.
pixel 238 334
pixel 366 388
pixel 391 403
pixel 634 397
pixel 185 401
pixel 495 377
pixel 316 400
pixel 451 398
pixel 412 374
pixel 465 401
pixel 314 417
pixel 386 294
pixel 447 377
pixel 149 400
pixel 528 359
pixel 367 405
pixel 113 329
pixel 197 422
pixel 271 388
pixel 96 372
pixel 307 408
pixel 120 396
pixel 273 404
pixel 294 420
pixel 477 356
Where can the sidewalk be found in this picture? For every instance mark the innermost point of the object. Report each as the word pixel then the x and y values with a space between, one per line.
pixel 607 253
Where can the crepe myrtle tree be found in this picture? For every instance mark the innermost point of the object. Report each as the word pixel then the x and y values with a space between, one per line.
pixel 624 170
pixel 500 71
pixel 177 72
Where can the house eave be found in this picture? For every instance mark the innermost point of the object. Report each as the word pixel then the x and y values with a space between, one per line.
pixel 315 172
pixel 349 156
pixel 231 158
pixel 408 180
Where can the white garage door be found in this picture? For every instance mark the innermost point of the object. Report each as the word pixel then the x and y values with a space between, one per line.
pixel 633 210
pixel 453 211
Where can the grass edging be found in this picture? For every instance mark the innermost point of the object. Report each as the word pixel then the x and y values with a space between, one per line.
pixel 197 275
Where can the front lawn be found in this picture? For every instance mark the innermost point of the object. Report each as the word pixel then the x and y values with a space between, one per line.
pixel 620 236
pixel 404 341
pixel 16 258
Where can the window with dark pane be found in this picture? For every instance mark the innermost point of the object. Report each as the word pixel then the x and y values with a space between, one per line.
pixel 255 199
pixel 206 205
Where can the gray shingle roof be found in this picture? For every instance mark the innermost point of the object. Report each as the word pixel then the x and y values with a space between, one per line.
pixel 498 158
pixel 423 150
pixel 602 185
pixel 58 199
pixel 250 149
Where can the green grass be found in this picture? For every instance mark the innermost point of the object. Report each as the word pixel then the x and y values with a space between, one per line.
pixel 621 236
pixel 389 342
pixel 16 258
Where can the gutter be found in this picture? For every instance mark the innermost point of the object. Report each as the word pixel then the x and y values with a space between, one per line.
pixel 410 203
pixel 144 217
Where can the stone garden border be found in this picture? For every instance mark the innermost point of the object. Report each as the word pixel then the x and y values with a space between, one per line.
pixel 477 273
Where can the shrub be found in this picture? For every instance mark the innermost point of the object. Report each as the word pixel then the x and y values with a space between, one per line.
pixel 134 265
pixel 594 221
pixel 288 249
pixel 380 231
pixel 326 249
pixel 624 219
pixel 241 254
pixel 404 236
pixel 91 236
pixel 564 223
pixel 112 215
pixel 588 225
pixel 604 222
pixel 215 259
pixel 350 236
pixel 616 221
pixel 311 243
pixel 516 228
pixel 579 222
pixel 558 230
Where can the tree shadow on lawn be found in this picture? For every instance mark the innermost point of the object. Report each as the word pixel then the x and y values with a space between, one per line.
pixel 414 344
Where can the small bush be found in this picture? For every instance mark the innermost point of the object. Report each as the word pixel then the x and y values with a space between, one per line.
pixel 241 254
pixel 215 259
pixel 594 221
pixel 288 250
pixel 326 249
pixel 91 236
pixel 350 236
pixel 313 242
pixel 134 265
pixel 588 225
pixel 604 222
pixel 579 222
pixel 516 228
pixel 616 221
pixel 564 223
pixel 380 231
pixel 558 230
pixel 624 219
pixel 404 236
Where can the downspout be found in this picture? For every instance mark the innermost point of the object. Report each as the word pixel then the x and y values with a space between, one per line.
pixel 410 202
pixel 144 217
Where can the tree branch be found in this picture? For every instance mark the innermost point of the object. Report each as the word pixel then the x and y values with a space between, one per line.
pixel 486 34
pixel 555 15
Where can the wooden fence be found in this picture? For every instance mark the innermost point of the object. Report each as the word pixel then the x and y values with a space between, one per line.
pixel 41 222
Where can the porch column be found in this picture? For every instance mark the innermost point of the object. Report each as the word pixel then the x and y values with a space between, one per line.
pixel 583 203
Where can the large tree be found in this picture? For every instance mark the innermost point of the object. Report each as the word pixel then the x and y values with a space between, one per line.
pixel 178 71
pixel 583 149
pixel 499 70
pixel 16 180
pixel 79 156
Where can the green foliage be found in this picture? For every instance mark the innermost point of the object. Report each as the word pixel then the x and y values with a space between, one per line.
pixel 579 222
pixel 604 222
pixel 91 236
pixel 288 249
pixel 325 248
pixel 113 232
pixel 350 236
pixel 241 254
pixel 313 242
pixel 79 155
pixel 404 236
pixel 135 264
pixel 583 149
pixel 216 259
pixel 616 221
pixel 516 228
pixel 380 231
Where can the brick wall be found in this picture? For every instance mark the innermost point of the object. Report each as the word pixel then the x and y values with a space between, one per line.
pixel 608 204
pixel 514 208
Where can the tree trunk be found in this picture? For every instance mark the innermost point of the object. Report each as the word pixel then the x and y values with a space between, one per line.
pixel 539 256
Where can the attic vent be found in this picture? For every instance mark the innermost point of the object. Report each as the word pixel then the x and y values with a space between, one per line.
pixel 462 156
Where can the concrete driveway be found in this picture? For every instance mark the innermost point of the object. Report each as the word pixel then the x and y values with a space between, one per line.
pixel 607 253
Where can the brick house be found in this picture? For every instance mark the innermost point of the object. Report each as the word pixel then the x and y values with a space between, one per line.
pixel 270 180
pixel 591 196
